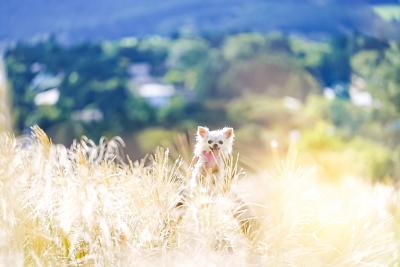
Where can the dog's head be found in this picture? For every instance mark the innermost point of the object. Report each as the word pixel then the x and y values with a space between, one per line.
pixel 215 141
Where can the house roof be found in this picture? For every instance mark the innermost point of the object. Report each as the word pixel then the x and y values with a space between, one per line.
pixel 151 90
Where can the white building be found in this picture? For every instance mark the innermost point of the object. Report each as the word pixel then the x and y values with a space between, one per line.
pixel 140 73
pixel 49 97
pixel 88 115
pixel 44 81
pixel 153 91
pixel 156 94
pixel 358 94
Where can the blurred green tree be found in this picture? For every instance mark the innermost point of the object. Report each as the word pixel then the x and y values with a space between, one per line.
pixel 335 66
pixel 381 71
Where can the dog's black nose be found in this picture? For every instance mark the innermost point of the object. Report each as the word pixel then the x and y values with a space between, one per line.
pixel 215 146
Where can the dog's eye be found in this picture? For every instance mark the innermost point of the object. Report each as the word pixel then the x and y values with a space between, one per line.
pixel 209 141
pixel 220 142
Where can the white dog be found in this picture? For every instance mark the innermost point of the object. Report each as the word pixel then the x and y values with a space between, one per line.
pixel 211 151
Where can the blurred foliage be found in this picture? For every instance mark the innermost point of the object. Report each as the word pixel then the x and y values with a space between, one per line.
pixel 262 110
pixel 243 46
pixel 146 138
pixel 268 86
pixel 341 156
pixel 335 65
pixel 5 123
pixel 267 74
pixel 381 70
pixel 388 12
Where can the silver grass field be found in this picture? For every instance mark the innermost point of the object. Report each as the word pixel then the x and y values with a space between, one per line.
pixel 89 205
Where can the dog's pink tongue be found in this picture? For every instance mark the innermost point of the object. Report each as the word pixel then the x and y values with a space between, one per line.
pixel 210 158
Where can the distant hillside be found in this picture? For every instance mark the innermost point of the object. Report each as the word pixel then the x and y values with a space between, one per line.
pixel 77 20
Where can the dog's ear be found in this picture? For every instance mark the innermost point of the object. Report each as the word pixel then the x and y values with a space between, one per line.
pixel 202 131
pixel 228 132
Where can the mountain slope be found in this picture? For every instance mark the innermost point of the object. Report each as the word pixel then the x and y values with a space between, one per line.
pixel 105 19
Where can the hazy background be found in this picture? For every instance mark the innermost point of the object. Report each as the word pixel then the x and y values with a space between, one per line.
pixel 322 76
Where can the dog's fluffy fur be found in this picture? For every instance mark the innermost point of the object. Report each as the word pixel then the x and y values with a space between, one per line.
pixel 209 173
pixel 210 152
